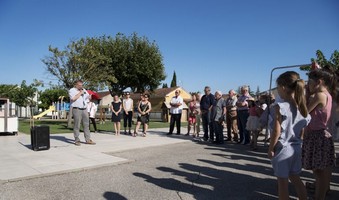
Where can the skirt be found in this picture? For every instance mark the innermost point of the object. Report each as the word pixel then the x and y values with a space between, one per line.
pixel 317 150
pixel 253 123
pixel 116 118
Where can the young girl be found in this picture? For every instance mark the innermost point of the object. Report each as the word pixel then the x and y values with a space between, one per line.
pixel 92 110
pixel 318 147
pixel 116 108
pixel 290 118
pixel 253 125
pixel 193 112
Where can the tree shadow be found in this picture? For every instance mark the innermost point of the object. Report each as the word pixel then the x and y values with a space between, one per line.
pixel 229 179
pixel 213 183
pixel 113 196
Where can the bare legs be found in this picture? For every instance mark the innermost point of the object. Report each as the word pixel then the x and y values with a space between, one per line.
pixel 189 127
pixel 137 128
pixel 298 184
pixel 254 140
pixel 117 128
pixel 322 182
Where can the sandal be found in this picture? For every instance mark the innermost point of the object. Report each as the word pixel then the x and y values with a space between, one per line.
pixel 144 135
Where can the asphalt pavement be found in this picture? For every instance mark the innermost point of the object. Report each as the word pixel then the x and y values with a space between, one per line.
pixel 181 168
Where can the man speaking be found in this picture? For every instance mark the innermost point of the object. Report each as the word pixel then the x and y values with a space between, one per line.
pixel 79 98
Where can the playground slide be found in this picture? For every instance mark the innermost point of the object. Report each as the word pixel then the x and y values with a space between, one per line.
pixel 51 108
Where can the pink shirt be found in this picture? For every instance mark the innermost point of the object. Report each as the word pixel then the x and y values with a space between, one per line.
pixel 321 116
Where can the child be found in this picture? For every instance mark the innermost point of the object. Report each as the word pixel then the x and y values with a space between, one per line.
pixel 318 147
pixel 290 118
pixel 253 125
pixel 92 110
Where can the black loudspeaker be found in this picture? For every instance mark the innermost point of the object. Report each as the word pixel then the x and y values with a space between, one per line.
pixel 40 138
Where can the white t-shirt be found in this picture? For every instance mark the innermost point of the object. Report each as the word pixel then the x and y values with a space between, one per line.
pixel 176 110
pixel 128 104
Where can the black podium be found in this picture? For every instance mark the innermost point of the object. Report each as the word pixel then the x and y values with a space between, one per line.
pixel 40 137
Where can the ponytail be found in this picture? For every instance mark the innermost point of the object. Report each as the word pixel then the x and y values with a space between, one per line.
pixel 291 80
pixel 299 96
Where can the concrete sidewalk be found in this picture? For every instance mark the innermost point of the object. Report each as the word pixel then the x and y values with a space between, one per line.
pixel 18 161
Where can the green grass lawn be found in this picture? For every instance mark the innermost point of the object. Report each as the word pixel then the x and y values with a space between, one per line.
pixel 60 126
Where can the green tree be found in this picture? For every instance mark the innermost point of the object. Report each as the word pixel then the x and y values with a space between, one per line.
pixel 174 80
pixel 7 90
pixel 118 62
pixel 333 62
pixel 49 96
pixel 164 85
pixel 22 95
pixel 79 60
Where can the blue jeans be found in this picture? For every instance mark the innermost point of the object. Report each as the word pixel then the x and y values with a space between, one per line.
pixel 242 120
pixel 207 125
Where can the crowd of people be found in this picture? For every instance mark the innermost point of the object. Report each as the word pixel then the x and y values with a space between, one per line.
pixel 300 123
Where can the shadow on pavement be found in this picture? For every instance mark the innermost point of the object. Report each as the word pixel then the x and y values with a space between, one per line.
pixel 113 196
pixel 62 138
pixel 244 174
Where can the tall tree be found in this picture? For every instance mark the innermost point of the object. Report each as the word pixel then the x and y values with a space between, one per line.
pixel 118 62
pixel 174 80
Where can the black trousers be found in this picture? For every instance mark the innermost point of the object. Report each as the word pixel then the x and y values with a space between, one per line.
pixel 207 125
pixel 128 119
pixel 175 119
pixel 94 124
pixel 219 134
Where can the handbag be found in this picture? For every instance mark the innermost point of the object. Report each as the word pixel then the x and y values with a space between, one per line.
pixel 143 118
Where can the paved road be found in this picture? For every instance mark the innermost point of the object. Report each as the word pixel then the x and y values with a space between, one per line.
pixel 188 170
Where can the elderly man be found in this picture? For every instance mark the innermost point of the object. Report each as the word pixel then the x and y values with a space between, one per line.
pixel 79 98
pixel 176 104
pixel 231 116
pixel 206 105
pixel 219 112
pixel 242 111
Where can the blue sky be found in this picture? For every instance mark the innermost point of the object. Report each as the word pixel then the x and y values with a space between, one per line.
pixel 221 43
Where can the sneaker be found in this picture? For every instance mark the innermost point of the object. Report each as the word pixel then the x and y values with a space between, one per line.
pixel 169 133
pixel 77 143
pixel 90 142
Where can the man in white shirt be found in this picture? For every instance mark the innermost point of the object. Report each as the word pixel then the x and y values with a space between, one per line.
pixel 175 111
pixel 128 112
pixel 79 98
